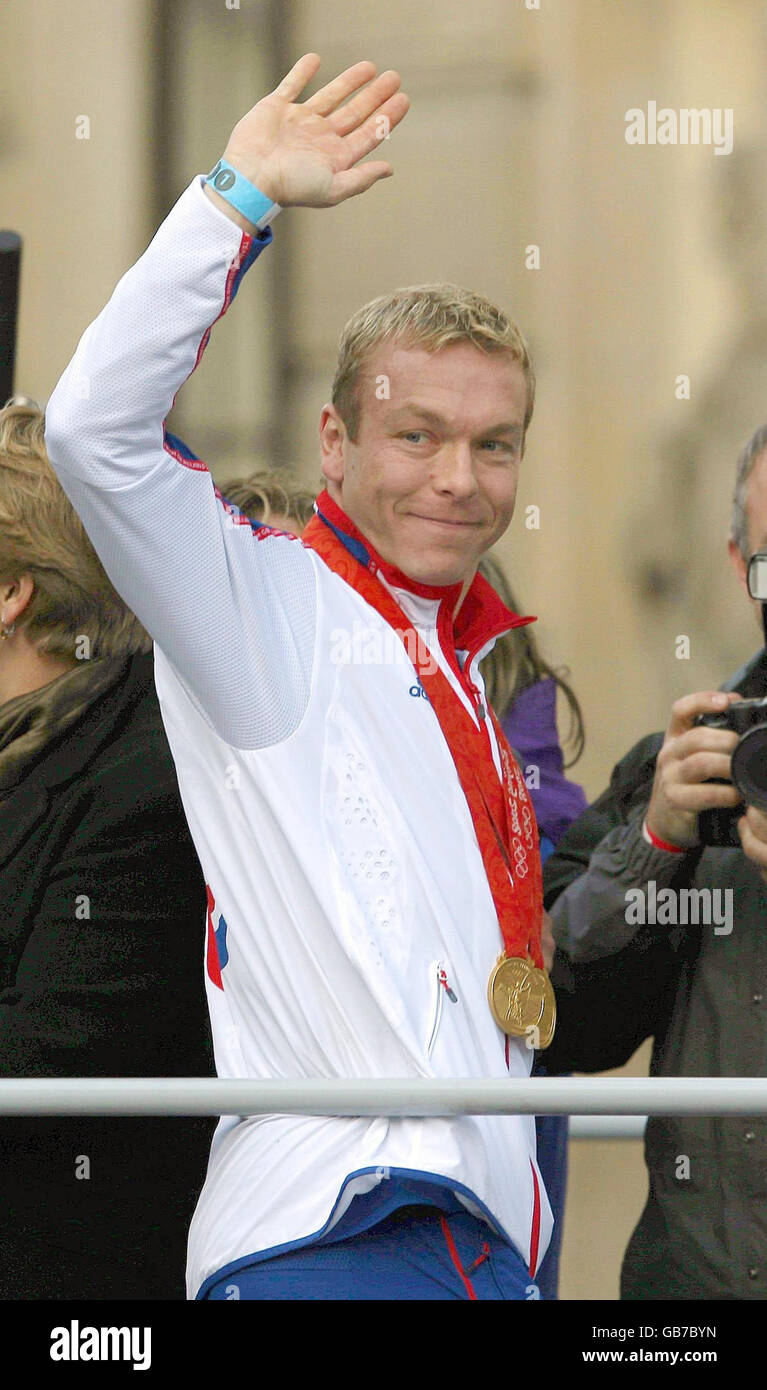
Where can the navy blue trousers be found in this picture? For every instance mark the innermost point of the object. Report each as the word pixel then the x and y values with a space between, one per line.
pixel 416 1253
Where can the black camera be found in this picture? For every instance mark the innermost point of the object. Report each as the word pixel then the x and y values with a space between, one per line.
pixel 718 826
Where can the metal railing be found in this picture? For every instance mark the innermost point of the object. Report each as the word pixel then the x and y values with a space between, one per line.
pixel 603 1107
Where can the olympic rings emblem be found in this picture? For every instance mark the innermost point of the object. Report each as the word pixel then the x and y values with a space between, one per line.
pixel 520 857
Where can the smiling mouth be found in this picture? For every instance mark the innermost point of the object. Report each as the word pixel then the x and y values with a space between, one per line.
pixel 443 521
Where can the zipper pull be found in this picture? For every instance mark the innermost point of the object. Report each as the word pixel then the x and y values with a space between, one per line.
pixel 442 977
pixel 478 703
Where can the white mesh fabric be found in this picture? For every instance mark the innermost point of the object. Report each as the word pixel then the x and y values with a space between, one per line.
pixel 235 615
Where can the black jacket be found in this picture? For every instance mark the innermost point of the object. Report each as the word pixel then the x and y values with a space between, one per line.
pixel 101 950
pixel 700 991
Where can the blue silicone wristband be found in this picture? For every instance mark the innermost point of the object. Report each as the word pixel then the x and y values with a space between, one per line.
pixel 242 194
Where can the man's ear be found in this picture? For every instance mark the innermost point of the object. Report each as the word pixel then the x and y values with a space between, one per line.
pixel 739 565
pixel 332 444
pixel 15 595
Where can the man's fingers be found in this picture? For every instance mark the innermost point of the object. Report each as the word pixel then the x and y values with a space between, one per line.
pixel 376 128
pixel 317 143
pixel 329 97
pixel 753 846
pixel 698 740
pixel 686 710
pixel 348 117
pixel 702 767
pixel 757 820
pixel 300 74
pixel 352 181
pixel 702 796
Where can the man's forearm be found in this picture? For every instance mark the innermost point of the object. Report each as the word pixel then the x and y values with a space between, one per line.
pixel 104 419
pixel 595 916
pixel 149 507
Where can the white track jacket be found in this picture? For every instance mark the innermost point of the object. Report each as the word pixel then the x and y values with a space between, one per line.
pixel 342 866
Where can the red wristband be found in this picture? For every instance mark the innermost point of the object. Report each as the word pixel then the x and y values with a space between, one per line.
pixel 661 844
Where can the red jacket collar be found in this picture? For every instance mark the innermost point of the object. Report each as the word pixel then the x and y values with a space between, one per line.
pixel 482 615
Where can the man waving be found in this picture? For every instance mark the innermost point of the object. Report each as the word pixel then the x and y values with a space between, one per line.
pixel 369 849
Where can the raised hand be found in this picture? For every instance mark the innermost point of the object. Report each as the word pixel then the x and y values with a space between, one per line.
pixel 303 154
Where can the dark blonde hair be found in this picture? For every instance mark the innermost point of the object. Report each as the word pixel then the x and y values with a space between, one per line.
pixel 42 535
pixel 427 316
pixel 516 663
pixel 268 493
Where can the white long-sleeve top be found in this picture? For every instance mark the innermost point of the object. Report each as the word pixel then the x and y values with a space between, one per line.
pixel 344 875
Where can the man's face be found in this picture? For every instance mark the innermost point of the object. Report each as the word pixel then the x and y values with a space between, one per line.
pixel 431 480
pixel 756 526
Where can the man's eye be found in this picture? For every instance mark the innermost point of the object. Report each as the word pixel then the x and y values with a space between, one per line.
pixel 410 433
pixel 500 446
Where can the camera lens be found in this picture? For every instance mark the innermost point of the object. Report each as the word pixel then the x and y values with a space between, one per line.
pixel 749 767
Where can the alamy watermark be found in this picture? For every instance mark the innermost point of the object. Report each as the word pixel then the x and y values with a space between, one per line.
pixel 671 907
pixel 365 645
pixel 76 1343
pixel 663 125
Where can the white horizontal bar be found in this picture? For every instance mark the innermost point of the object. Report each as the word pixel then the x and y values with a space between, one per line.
pixel 628 1095
pixel 607 1127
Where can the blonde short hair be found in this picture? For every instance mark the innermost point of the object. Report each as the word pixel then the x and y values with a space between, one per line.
pixel 268 493
pixel 42 535
pixel 427 316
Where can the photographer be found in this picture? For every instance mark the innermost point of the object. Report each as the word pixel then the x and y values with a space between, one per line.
pixel 641 954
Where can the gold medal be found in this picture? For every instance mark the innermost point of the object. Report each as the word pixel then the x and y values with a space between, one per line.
pixel 522 999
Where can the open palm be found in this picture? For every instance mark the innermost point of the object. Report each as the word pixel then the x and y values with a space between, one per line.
pixel 304 154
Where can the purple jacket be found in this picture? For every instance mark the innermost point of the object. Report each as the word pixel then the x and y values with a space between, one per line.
pixel 531 728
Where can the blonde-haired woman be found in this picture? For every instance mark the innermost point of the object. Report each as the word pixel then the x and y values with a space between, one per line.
pixel 103 911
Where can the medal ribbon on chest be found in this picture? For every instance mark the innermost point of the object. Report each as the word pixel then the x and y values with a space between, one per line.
pixel 520 994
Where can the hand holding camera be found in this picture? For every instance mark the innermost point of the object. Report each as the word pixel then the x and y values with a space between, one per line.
pixel 692 772
pixel 747 719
